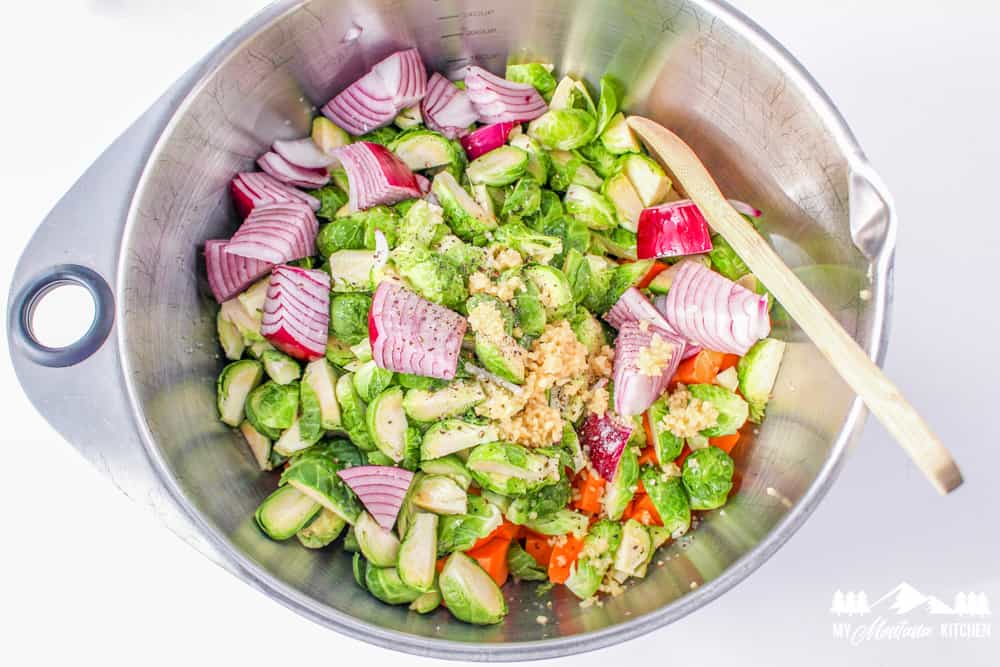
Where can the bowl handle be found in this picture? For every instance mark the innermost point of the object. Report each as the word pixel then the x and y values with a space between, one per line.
pixel 872 211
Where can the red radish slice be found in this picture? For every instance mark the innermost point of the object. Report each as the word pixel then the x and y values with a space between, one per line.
pixel 297 311
pixel 713 311
pixel 497 100
pixel 375 99
pixel 409 334
pixel 485 139
pixel 286 172
pixel 632 306
pixel 276 233
pixel 381 489
pixel 376 176
pixel 745 208
pixel 229 274
pixel 604 439
pixel 303 153
pixel 446 108
pixel 635 391
pixel 251 189
pixel 673 229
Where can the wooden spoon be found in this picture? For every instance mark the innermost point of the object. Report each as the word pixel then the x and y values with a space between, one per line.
pixel 882 397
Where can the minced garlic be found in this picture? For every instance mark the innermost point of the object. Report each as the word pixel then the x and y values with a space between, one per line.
pixel 598 403
pixel 688 415
pixel 602 363
pixel 505 290
pixel 655 358
pixel 485 318
pixel 499 258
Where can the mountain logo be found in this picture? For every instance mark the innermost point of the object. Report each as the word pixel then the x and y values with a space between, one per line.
pixel 905 599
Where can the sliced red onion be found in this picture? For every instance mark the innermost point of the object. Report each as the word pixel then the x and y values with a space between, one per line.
pixel 497 100
pixel 409 334
pixel 745 208
pixel 673 229
pixel 485 139
pixel 276 233
pixel 303 153
pixel 375 99
pixel 251 189
pixel 446 108
pixel 286 172
pixel 713 311
pixel 381 489
pixel 603 439
pixel 376 176
pixel 229 274
pixel 690 350
pixel 381 250
pixel 423 183
pixel 634 390
pixel 632 306
pixel 297 311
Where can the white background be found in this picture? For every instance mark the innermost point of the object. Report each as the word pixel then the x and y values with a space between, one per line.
pixel 88 577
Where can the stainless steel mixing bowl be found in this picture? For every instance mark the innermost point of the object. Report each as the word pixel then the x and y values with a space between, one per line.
pixel 136 394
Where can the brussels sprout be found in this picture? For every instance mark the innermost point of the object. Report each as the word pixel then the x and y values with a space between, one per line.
pixel 453 435
pixel 378 545
pixel 430 274
pixel 324 528
pixel 571 443
pixel 351 546
pixel 320 380
pixel 359 565
pixel 386 422
pixel 524 199
pixel 344 453
pixel 338 352
pixel 534 74
pixel 481 194
pixel 370 380
pixel 511 469
pixel 529 311
pixel 708 478
pixel 648 178
pixel 440 495
pixel 571 93
pixel 280 367
pixel 588 330
pixel 411 449
pixel 425 405
pixel 339 178
pixel 757 371
pixel 523 565
pixel 234 388
pixel 618 138
pixel 733 410
pixel 470 593
pixel 595 558
pixel 302 434
pixel 419 224
pixel 383 219
pixel 618 242
pixel 620 191
pixel 459 532
pixel 466 257
pixel 260 445
pixel 382 136
pixel 362 351
pixel 230 337
pixel 252 299
pixel 541 504
pixel 667 445
pixel 550 213
pixel 601 160
pixel 418 552
pixel 328 136
pixel 427 602
pixel 609 102
pixel 466 218
pixel 539 247
pixel 501 166
pixel 553 289
pixel 385 584
pixel 341 234
pixel 725 260
pixel 331 199
pixel 577 271
pixel 271 407
pixel 409 381
pixel 539 163
pixel 352 413
pixel 314 473
pixel 575 235
pixel 422 149
pixel 450 466
pixel 285 512
pixel 563 129
pixel 727 379
pixel 569 169
pixel 669 498
pixel 619 492
pixel 625 276
pixel 349 317
pixel 633 552
pixel 590 207
pixel 350 270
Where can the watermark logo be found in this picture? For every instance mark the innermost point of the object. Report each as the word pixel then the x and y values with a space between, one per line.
pixel 906 613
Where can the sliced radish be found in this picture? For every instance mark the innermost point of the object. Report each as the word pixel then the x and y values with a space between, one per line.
pixel 297 311
pixel 228 274
pixel 286 172
pixel 376 176
pixel 446 108
pixel 251 189
pixel 603 439
pixel 276 233
pixel 632 306
pixel 673 229
pixel 635 389
pixel 485 139
pixel 497 100
pixel 303 153
pixel 409 334
pixel 382 490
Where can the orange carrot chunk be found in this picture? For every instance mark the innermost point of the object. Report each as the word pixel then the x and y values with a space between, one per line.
pixel 699 369
pixel 563 557
pixel 492 557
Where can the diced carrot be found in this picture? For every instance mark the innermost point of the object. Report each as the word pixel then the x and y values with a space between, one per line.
pixel 648 428
pixel 505 531
pixel 648 457
pixel 644 511
pixel 473 491
pixel 440 563
pixel 492 557
pixel 656 269
pixel 590 490
pixel 683 455
pixel 725 442
pixel 562 559
pixel 728 361
pixel 540 549
pixel 699 369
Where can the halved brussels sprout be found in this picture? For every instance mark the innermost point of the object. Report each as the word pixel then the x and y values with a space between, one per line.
pixel 670 500
pixel 667 445
pixel 328 136
pixel 425 405
pixel 757 372
pixel 595 558
pixel 539 247
pixel 501 166
pixel 539 163
pixel 440 495
pixel 297 438
pixel 349 317
pixel 379 545
pixel 272 407
pixel 523 566
pixel 609 102
pixel 260 445
pixel 418 552
pixel 554 289
pixel 618 138
pixel 386 585
pixel 590 207
pixel 529 310
pixel 449 466
pixel 511 469
pixel 569 169
pixel 577 270
pixel 280 367
pixel 708 478
pixel 421 149
pixel 619 492
pixel 542 503
pixel 431 274
pixel 320 378
pixel 622 194
pixel 352 413
pixel 648 178
pixel 370 381
pixel 344 233
pixel 350 270
pixel 470 593
pixel 466 218
pixel 563 129
pixel 559 523
pixel 733 410
pixel 588 330
pixel 420 223
pixel 229 335
pixel 535 74
pixel 453 435
pixel 633 551
pixel 459 532
pixel 324 528
pixel 409 118
pixel 427 602
pixel 314 473
pixel 386 421
pixel 235 384
pixel 285 512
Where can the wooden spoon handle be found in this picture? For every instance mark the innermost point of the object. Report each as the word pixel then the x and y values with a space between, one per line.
pixel 882 397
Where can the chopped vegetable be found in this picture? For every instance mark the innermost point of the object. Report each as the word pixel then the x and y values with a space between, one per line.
pixel 276 233
pixel 497 100
pixel 446 108
pixel 376 176
pixel 297 311
pixel 381 490
pixel 673 229
pixel 603 438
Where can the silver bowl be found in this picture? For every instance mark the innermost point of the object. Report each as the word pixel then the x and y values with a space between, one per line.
pixel 136 394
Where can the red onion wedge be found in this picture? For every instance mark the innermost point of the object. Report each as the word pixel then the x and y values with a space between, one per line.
pixel 376 176
pixel 713 311
pixel 297 311
pixel 423 183
pixel 632 306
pixel 604 439
pixel 745 208
pixel 228 274
pixel 485 139
pixel 375 99
pixel 276 233
pixel 673 229
pixel 409 334
pixel 303 153
pixel 498 100
pixel 382 490
pixel 446 108
pixel 251 189
pixel 286 172
pixel 645 359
